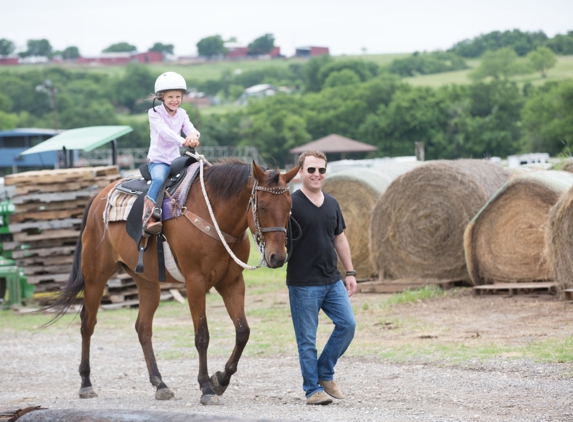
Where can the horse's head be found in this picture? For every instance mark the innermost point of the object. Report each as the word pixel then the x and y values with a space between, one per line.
pixel 270 211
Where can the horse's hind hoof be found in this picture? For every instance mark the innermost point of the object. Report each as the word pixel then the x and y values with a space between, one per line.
pixel 164 394
pixel 210 399
pixel 214 381
pixel 87 393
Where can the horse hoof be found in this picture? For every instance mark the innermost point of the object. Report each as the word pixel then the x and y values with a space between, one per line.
pixel 210 399
pixel 214 381
pixel 87 393
pixel 164 394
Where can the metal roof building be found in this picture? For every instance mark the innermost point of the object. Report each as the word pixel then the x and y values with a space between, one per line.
pixel 14 142
pixel 84 139
pixel 334 144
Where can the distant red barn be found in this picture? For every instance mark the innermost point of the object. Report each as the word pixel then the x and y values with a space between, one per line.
pixel 8 61
pixel 124 58
pixel 237 52
pixel 148 57
pixel 107 58
pixel 311 51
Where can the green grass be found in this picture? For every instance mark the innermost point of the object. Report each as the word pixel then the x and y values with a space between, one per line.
pixel 379 59
pixel 415 295
pixel 562 70
pixel 202 71
pixel 383 331
pixel 214 70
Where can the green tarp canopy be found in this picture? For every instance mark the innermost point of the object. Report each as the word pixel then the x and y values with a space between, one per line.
pixel 85 138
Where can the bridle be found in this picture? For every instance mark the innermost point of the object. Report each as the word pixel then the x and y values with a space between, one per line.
pixel 258 236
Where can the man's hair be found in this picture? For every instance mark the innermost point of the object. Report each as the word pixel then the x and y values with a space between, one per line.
pixel 314 153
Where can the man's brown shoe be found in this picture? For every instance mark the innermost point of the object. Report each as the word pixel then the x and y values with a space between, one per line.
pixel 332 389
pixel 320 397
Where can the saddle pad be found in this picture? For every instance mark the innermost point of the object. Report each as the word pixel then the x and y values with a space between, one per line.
pixel 119 203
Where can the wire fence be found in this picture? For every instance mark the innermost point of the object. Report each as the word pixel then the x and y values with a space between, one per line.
pixel 131 158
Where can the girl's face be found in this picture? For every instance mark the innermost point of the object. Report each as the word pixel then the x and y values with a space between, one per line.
pixel 172 99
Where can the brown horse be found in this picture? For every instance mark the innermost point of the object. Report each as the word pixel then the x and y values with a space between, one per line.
pixel 242 196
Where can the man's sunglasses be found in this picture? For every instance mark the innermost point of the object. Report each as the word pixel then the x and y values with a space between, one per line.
pixel 311 170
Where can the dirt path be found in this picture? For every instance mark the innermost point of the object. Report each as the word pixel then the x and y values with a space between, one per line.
pixel 41 369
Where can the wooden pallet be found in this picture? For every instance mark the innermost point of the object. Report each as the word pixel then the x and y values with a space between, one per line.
pixel 397 286
pixel 516 288
pixel 566 294
pixel 132 303
pixel 58 175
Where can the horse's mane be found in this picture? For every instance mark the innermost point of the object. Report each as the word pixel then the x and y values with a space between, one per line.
pixel 229 176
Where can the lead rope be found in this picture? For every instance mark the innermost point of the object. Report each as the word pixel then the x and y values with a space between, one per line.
pixel 202 160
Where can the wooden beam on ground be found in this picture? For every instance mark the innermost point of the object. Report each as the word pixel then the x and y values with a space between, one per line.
pixel 516 288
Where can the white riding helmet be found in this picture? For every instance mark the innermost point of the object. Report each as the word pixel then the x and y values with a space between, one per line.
pixel 170 81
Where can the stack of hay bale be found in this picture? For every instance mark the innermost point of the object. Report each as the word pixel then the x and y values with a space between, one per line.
pixel 357 190
pixel 505 241
pixel 418 223
pixel 559 243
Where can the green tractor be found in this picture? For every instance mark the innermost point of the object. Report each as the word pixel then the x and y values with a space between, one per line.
pixel 6 208
pixel 12 277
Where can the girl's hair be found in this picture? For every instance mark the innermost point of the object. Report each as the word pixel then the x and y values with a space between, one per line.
pixel 159 95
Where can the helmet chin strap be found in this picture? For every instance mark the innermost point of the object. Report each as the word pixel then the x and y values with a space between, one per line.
pixel 153 105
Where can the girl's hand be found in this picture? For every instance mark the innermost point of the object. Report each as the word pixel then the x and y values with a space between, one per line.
pixel 192 141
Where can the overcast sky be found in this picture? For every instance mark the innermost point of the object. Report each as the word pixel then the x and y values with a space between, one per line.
pixel 345 26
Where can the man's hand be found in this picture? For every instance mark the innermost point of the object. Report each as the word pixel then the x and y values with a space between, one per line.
pixel 350 284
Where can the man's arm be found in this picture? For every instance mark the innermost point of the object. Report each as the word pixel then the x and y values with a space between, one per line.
pixel 342 248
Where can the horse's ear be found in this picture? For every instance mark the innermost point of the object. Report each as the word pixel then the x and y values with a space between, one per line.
pixel 258 173
pixel 291 174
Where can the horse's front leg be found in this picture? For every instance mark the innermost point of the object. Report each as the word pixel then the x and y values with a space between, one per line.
pixel 149 297
pixel 234 298
pixel 197 306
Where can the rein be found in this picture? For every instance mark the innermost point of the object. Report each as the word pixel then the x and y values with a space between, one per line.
pixel 253 202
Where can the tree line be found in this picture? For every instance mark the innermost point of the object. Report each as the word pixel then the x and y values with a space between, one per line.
pixel 420 63
pixel 520 42
pixel 211 46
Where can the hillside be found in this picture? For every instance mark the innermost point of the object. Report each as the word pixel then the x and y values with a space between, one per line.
pixel 214 70
pixel 562 70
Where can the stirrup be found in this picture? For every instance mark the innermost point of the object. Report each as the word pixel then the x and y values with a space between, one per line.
pixel 152 228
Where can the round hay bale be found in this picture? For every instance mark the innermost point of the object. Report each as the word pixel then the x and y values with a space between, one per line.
pixel 559 241
pixel 568 165
pixel 505 241
pixel 357 190
pixel 418 223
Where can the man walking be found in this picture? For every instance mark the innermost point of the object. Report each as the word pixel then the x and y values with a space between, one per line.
pixel 315 283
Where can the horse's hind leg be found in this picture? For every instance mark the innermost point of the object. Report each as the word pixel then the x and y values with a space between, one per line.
pixel 234 298
pixel 93 292
pixel 149 297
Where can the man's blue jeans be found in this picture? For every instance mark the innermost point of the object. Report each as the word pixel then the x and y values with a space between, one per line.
pixel 159 172
pixel 305 304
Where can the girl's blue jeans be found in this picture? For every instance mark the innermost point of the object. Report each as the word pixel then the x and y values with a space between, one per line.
pixel 159 172
pixel 305 304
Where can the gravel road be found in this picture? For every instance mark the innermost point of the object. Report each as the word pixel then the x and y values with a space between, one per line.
pixel 41 370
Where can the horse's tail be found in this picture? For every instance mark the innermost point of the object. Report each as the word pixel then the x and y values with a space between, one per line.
pixel 75 283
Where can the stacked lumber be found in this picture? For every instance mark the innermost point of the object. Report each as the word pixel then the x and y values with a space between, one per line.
pixel 45 226
pixel 49 206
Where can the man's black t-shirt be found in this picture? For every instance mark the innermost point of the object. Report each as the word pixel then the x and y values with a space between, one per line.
pixel 313 258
